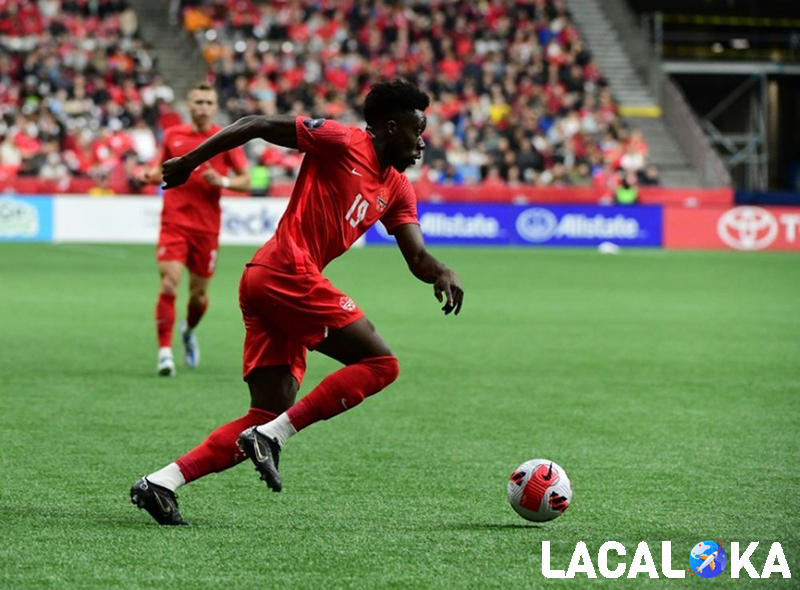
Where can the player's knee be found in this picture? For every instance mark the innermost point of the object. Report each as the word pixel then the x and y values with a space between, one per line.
pixel 387 370
pixel 272 389
pixel 197 297
pixel 169 286
pixel 394 369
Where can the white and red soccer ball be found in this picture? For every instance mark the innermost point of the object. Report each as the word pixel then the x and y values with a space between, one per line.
pixel 539 490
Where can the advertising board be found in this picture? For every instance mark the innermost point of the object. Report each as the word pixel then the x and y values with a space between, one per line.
pixel 541 225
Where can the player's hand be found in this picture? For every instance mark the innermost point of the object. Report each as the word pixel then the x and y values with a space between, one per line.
pixel 175 172
pixel 147 176
pixel 448 289
pixel 212 177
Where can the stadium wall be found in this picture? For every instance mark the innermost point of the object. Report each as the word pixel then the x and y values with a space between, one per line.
pixel 130 220
pixel 253 221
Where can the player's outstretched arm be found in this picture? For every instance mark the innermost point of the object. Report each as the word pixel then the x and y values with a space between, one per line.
pixel 240 182
pixel 151 175
pixel 427 269
pixel 278 129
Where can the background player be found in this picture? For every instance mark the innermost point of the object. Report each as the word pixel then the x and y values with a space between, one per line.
pixel 349 179
pixel 190 222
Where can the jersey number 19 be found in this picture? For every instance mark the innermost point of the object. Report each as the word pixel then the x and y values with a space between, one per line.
pixel 358 210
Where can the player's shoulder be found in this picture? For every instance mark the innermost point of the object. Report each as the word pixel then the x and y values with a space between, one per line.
pixel 174 130
pixel 358 133
pixel 360 140
pixel 401 183
pixel 331 126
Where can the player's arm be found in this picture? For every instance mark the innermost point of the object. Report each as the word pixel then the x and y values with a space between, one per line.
pixel 239 182
pixel 152 175
pixel 428 269
pixel 277 129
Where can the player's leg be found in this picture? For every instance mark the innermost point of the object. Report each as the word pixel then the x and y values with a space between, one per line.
pixel 198 299
pixel 170 272
pixel 198 303
pixel 219 451
pixel 201 262
pixel 274 389
pixel 273 368
pixel 370 367
pixel 271 388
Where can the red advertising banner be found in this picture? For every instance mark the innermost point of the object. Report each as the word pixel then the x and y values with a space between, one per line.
pixel 686 197
pixel 567 195
pixel 487 193
pixel 739 228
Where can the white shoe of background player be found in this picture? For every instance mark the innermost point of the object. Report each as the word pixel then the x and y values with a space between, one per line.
pixel 191 347
pixel 166 364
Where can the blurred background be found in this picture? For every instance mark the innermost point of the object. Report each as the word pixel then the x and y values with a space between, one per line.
pixel 687 105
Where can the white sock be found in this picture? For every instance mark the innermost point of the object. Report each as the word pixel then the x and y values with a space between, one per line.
pixel 169 477
pixel 165 351
pixel 280 428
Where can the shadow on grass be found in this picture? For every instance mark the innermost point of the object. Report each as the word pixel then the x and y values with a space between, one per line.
pixel 59 517
pixel 486 526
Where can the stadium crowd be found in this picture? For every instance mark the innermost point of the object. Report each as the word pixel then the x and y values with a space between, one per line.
pixel 79 90
pixel 518 98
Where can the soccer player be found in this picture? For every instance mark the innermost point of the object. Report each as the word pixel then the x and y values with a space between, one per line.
pixel 349 179
pixel 190 221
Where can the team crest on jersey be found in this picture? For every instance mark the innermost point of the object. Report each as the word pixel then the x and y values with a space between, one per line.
pixel 347 304
pixel 382 202
pixel 313 123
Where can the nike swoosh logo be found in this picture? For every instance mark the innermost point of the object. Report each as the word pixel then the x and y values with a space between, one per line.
pixel 165 509
pixel 260 456
pixel 356 172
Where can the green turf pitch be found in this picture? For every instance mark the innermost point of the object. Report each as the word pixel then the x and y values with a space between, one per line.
pixel 666 384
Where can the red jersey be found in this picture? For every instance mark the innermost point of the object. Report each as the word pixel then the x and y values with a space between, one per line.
pixel 340 192
pixel 195 204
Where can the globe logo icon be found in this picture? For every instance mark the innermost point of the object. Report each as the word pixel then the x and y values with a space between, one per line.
pixel 707 559
pixel 536 225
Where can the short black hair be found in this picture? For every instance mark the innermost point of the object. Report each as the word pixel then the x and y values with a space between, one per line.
pixel 385 98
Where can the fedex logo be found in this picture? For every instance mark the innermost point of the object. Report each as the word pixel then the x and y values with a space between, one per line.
pixel 261 222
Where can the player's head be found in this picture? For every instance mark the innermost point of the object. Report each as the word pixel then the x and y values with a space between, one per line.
pixel 395 114
pixel 202 102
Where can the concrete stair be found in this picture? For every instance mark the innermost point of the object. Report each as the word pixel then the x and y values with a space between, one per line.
pixel 180 61
pixel 632 93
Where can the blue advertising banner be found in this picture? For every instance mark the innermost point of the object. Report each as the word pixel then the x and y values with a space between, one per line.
pixel 26 219
pixel 539 225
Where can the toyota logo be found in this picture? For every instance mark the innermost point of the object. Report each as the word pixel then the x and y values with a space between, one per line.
pixel 747 228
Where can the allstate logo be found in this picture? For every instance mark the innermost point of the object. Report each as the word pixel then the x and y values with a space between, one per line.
pixel 747 228
pixel 536 225
pixel 18 219
pixel 707 559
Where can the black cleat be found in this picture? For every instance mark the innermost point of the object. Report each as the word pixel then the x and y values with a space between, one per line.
pixel 161 503
pixel 264 452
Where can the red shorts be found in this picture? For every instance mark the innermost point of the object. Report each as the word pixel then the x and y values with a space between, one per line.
pixel 195 249
pixel 285 314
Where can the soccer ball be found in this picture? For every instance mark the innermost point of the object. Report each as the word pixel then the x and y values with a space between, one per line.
pixel 539 490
